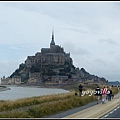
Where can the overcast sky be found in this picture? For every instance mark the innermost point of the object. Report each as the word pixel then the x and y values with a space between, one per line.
pixel 90 31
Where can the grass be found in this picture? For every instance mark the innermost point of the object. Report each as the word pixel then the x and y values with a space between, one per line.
pixel 42 106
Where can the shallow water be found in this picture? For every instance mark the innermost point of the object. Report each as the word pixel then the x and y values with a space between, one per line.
pixel 23 92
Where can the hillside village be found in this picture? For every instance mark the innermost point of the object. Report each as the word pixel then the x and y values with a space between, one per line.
pixel 51 66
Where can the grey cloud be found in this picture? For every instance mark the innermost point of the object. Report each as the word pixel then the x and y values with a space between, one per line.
pixel 108 41
pixel 72 13
pixel 77 30
pixel 100 62
pixel 68 12
pixel 17 48
pixel 26 6
pixel 84 30
pixel 75 50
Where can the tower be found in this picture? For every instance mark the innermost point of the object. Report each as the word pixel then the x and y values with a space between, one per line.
pixel 52 41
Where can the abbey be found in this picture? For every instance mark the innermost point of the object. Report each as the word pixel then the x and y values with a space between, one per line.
pixel 54 55
pixel 50 66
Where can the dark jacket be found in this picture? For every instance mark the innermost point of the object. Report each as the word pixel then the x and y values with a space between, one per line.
pixel 80 87
pixel 97 91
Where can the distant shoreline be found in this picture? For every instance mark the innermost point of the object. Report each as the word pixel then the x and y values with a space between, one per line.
pixel 58 86
pixel 6 87
pixel 65 87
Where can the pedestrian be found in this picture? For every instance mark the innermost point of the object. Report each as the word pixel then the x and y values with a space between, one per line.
pixel 97 93
pixel 106 90
pixel 80 87
pixel 109 94
pixel 104 94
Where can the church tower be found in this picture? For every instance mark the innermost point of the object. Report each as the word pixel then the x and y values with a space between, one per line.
pixel 52 44
pixel 52 41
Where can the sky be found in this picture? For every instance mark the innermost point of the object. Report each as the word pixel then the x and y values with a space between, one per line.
pixel 89 31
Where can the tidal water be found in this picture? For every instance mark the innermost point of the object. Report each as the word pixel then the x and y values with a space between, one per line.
pixel 16 92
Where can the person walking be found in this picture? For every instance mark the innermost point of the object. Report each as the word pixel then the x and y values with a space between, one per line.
pixel 80 87
pixel 104 94
pixel 97 93
pixel 109 94
pixel 107 90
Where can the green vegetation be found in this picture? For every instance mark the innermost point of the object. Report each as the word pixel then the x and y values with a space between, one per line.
pixel 42 106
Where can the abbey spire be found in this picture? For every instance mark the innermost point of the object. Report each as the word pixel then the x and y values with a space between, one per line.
pixel 52 41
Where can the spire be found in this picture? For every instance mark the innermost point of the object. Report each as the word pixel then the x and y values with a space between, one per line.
pixel 52 42
pixel 53 35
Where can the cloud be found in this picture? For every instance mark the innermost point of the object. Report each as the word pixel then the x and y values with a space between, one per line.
pixel 82 30
pixel 8 67
pixel 17 48
pixel 109 42
pixel 76 50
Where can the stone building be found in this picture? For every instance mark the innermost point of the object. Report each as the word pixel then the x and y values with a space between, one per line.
pixel 16 80
pixel 54 55
pixel 50 65
pixel 36 68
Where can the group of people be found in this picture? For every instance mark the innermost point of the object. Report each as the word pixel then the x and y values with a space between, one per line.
pixel 105 92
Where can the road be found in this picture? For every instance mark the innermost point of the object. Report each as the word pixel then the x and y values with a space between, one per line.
pixel 115 113
pixel 99 110
pixel 110 109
